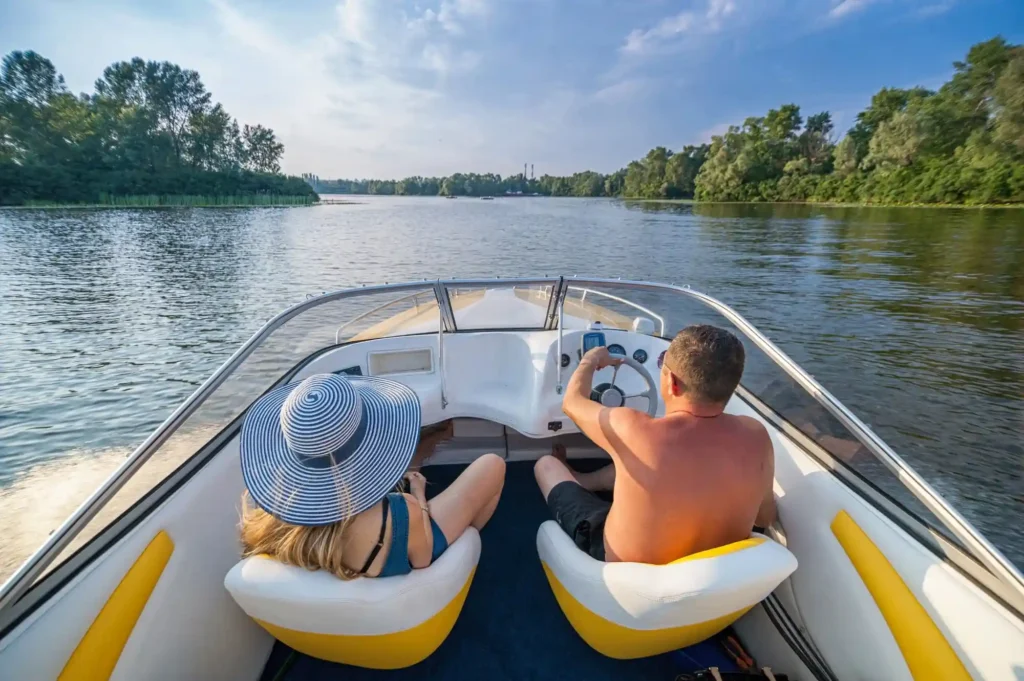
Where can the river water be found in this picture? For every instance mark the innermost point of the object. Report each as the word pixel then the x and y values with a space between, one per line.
pixel 913 317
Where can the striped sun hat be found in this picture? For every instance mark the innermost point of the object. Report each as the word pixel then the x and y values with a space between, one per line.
pixel 329 447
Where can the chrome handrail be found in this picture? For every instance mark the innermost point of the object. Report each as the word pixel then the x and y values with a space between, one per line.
pixel 636 306
pixel 970 538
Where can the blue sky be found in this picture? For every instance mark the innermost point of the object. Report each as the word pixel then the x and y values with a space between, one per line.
pixel 390 88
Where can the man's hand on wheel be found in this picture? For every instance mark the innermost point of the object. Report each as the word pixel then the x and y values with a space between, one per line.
pixel 601 358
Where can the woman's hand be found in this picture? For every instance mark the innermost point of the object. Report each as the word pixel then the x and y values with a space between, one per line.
pixel 417 486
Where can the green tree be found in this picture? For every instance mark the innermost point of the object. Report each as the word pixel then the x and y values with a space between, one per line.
pixel 213 141
pixel 896 143
pixel 1009 98
pixel 150 128
pixel 884 105
pixel 681 171
pixel 169 97
pixel 845 156
pixel 815 143
pixel 29 84
pixel 261 150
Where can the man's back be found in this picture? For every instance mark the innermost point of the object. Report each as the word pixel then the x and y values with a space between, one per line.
pixel 696 479
pixel 684 484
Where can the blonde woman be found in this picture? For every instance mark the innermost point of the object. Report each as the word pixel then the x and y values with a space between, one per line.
pixel 320 459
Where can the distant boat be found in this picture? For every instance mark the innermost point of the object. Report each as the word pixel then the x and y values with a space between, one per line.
pixel 486 198
pixel 451 197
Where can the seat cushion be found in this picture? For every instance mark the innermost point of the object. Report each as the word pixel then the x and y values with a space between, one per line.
pixel 629 610
pixel 381 623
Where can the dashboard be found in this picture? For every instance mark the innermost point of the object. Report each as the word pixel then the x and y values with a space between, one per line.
pixel 509 377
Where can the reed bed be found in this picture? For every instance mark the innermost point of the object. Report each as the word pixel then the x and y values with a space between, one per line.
pixel 183 201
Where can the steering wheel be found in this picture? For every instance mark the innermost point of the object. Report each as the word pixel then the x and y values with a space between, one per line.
pixel 611 395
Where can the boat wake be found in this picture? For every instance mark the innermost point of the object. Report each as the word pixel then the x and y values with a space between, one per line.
pixel 36 503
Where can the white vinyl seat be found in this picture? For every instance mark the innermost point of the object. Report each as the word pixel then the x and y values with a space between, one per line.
pixel 379 623
pixel 630 610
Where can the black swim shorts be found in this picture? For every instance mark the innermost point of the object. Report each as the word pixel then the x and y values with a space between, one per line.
pixel 581 513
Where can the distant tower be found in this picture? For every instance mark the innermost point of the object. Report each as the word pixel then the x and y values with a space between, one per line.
pixel 524 171
pixel 531 171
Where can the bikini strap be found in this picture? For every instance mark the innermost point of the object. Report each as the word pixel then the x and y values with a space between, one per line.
pixel 380 539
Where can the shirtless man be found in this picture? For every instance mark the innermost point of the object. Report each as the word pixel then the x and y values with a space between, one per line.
pixel 691 480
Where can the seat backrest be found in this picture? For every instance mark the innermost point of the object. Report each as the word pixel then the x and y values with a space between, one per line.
pixel 708 586
pixel 310 607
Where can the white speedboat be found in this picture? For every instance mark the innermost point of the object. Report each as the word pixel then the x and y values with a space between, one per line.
pixel 869 573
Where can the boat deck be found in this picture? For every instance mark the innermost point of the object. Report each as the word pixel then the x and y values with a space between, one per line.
pixel 510 627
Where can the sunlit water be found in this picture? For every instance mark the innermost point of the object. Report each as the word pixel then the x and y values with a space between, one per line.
pixel 108 319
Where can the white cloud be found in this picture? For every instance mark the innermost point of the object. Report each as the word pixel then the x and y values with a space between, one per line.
pixel 370 96
pixel 846 7
pixel 452 14
pixel 917 8
pixel 668 31
pixel 935 9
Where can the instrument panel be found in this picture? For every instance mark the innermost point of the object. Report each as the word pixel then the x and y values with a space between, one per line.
pixel 507 377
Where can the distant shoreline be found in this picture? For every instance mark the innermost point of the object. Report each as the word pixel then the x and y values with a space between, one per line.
pixel 176 201
pixel 824 204
pixel 347 202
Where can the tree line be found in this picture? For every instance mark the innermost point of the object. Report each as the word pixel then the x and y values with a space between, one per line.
pixel 150 128
pixel 586 183
pixel 963 143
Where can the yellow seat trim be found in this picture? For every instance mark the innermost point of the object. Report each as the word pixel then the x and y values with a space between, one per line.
pixel 99 650
pixel 927 652
pixel 377 651
pixel 747 543
pixel 622 643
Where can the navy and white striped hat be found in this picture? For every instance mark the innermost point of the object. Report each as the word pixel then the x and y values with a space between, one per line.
pixel 329 447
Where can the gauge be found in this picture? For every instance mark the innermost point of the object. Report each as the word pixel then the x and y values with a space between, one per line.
pixel 661 359
pixel 565 360
pixel 616 349
pixel 640 355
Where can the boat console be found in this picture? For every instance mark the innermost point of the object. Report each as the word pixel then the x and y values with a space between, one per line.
pixel 515 378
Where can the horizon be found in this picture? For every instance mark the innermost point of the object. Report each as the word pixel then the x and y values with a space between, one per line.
pixel 360 91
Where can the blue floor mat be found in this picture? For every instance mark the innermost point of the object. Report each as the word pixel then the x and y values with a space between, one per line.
pixel 510 627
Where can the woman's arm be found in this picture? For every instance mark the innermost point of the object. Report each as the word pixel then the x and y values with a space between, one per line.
pixel 420 534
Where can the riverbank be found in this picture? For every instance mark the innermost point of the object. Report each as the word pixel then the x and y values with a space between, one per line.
pixel 77 185
pixel 694 202
pixel 183 201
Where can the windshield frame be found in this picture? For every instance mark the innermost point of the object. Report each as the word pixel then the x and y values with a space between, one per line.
pixel 971 539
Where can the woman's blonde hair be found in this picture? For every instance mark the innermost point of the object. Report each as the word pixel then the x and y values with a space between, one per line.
pixel 314 548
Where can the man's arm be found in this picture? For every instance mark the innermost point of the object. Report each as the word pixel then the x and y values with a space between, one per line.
pixel 603 425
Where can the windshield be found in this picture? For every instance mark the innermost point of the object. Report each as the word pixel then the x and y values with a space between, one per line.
pixel 521 306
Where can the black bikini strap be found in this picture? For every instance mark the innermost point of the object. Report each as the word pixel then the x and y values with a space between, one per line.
pixel 380 539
